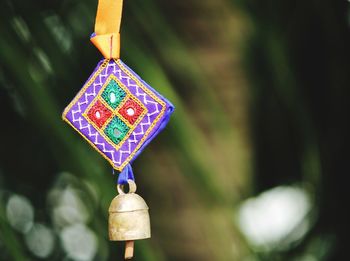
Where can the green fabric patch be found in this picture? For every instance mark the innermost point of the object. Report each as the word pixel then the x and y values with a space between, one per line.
pixel 113 94
pixel 116 130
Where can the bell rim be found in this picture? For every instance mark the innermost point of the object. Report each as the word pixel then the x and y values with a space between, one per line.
pixel 130 239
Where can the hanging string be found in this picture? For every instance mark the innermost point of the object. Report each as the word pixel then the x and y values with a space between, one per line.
pixel 107 28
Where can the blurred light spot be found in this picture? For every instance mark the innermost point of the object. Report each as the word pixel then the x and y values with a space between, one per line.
pixel 44 60
pixel 20 213
pixel 79 242
pixel 21 28
pixel 40 240
pixel 17 101
pixel 276 214
pixel 92 189
pixel 307 258
pixel 35 72
pixel 59 32
pixel 68 208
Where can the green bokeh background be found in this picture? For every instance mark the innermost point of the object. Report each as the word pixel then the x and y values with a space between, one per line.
pixel 261 91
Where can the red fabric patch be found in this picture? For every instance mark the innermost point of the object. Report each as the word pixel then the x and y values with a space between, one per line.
pixel 131 110
pixel 99 114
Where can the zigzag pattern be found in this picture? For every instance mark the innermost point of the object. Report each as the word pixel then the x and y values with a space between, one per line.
pixel 96 135
pixel 144 125
pixel 80 122
pixel 93 134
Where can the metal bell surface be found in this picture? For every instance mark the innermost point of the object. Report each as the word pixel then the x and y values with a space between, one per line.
pixel 128 216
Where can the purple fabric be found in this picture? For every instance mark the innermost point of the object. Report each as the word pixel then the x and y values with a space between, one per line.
pixel 119 157
pixel 162 123
pixel 125 175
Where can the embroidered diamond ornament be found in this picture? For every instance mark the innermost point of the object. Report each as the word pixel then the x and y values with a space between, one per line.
pixel 117 112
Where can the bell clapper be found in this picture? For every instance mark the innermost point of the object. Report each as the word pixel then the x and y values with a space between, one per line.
pixel 129 245
pixel 129 249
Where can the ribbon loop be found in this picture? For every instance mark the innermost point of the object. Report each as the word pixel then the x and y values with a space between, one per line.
pixel 125 175
pixel 107 27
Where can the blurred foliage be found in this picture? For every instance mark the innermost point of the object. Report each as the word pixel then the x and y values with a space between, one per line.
pixel 298 58
pixel 260 91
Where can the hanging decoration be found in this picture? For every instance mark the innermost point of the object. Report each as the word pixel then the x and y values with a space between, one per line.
pixel 119 114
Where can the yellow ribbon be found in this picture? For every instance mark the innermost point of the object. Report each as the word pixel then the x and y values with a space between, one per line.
pixel 107 28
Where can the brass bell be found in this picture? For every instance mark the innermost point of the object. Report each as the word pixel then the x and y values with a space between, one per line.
pixel 128 218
